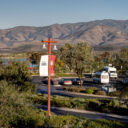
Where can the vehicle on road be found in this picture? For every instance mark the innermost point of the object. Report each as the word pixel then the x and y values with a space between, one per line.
pixel 108 88
pixel 101 77
pixel 111 70
pixel 66 81
pixel 76 81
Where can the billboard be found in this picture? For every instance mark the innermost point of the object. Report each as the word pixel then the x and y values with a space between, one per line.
pixel 43 68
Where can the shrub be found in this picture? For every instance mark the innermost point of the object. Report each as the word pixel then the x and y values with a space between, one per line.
pixel 100 93
pixel 116 93
pixel 78 103
pixel 74 89
pixel 105 124
pixel 94 105
pixel 89 91
pixel 16 110
pixel 114 103
pixel 64 122
pixel 18 75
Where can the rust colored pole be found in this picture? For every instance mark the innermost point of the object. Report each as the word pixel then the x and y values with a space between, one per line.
pixel 49 41
pixel 49 76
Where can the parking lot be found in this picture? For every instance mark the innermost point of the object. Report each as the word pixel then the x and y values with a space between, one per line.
pixel 87 82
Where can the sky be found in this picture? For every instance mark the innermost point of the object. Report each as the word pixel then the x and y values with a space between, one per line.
pixel 46 12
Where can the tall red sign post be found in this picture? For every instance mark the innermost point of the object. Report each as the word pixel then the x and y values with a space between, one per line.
pixel 49 41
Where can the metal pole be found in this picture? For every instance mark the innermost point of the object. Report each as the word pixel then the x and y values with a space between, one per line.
pixel 49 76
pixel 49 41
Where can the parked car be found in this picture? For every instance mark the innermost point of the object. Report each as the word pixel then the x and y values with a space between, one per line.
pixel 108 88
pixel 66 81
pixel 76 81
pixel 46 82
pixel 89 75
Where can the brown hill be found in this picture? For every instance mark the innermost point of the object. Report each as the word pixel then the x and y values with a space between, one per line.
pixel 100 33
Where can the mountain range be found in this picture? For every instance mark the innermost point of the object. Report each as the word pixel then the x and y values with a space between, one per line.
pixel 99 34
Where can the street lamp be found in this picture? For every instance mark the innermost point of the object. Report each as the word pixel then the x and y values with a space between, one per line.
pixel 49 41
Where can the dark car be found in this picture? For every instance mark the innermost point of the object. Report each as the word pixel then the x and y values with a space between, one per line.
pixel 66 81
pixel 76 81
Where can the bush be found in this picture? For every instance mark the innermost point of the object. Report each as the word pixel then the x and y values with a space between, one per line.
pixel 89 91
pixel 116 93
pixel 114 103
pixel 94 105
pixel 78 103
pixel 18 75
pixel 61 122
pixel 105 124
pixel 100 93
pixel 16 110
pixel 74 89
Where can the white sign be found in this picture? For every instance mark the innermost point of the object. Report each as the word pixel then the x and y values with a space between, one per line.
pixel 43 69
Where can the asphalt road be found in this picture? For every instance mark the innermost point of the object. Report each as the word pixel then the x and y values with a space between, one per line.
pixel 43 88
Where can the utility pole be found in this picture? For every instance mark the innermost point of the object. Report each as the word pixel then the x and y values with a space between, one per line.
pixel 49 41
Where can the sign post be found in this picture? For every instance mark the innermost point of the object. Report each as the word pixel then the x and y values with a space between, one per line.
pixel 49 41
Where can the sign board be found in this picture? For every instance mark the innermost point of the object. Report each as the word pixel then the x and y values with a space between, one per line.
pixel 43 69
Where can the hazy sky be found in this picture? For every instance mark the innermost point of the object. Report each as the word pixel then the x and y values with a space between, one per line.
pixel 47 12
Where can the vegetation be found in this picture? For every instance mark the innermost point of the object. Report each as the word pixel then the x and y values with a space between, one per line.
pixel 90 90
pixel 78 58
pixel 65 54
pixel 17 98
pixel 17 111
pixel 34 57
pixel 18 75
pixel 74 89
pixel 77 122
pixel 106 106
pixel 116 93
pixel 100 93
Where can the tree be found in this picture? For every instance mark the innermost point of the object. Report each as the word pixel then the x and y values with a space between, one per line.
pixel 121 61
pixel 82 58
pixel 59 65
pixel 34 57
pixel 65 54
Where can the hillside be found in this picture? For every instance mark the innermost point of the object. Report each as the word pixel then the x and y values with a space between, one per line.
pixel 99 34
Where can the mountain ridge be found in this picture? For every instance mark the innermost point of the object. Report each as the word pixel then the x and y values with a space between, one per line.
pixel 96 33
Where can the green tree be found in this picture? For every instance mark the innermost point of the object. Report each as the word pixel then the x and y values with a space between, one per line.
pixel 59 66
pixel 34 57
pixel 65 54
pixel 121 61
pixel 82 59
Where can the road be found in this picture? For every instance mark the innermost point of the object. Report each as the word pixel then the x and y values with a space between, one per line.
pixel 58 90
pixel 86 114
